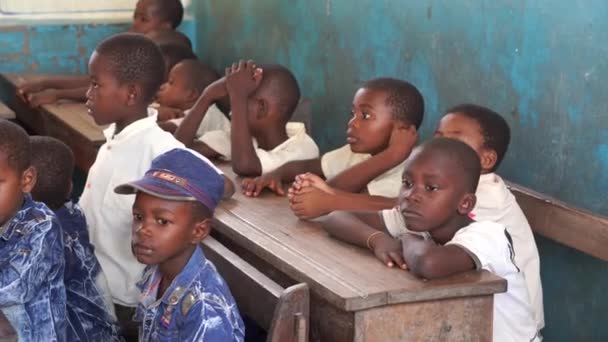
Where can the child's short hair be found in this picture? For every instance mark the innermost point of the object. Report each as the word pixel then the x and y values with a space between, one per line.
pixel 402 96
pixel 175 53
pixel 462 156
pixel 134 58
pixel 167 36
pixel 494 128
pixel 199 75
pixel 171 11
pixel 15 145
pixel 54 162
pixel 281 85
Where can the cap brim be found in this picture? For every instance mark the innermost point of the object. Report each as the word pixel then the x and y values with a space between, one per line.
pixel 155 188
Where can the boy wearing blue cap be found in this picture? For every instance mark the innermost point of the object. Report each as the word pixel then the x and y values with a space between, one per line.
pixel 183 296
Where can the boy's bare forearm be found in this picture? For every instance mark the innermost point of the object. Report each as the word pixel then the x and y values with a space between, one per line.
pixel 348 227
pixel 75 94
pixel 289 171
pixel 356 178
pixel 245 161
pixel 428 260
pixel 186 131
pixel 361 202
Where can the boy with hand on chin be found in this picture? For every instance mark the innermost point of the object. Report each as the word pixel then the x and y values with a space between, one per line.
pixel 260 138
pixel 183 297
pixel 438 238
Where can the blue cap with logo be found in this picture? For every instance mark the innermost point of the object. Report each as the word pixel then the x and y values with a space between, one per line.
pixel 180 175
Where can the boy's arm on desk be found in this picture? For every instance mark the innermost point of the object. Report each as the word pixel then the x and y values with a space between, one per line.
pixel 53 95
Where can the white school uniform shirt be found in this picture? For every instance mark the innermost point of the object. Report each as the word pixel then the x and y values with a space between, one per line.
pixel 497 204
pixel 124 157
pixel 489 247
pixel 336 161
pixel 298 146
pixel 214 120
pixel 488 244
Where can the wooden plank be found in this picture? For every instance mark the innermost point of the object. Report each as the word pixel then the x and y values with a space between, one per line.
pixel 557 221
pixel 291 316
pixel 456 319
pixel 249 286
pixel 346 276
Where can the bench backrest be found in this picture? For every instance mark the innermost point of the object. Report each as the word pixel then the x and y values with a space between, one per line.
pixel 283 312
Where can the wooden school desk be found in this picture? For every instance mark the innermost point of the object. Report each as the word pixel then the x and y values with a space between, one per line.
pixel 354 296
pixel 66 121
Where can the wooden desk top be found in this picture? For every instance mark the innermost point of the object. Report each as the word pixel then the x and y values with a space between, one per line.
pixel 72 114
pixel 349 277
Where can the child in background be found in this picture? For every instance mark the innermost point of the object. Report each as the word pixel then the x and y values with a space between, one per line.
pixel 260 138
pixel 437 194
pixel 149 15
pixel 365 173
pixel 488 134
pixel 174 53
pixel 90 311
pixel 32 292
pixel 183 296
pixel 169 36
pixel 187 81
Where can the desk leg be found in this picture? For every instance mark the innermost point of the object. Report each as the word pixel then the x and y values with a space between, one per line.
pixel 459 319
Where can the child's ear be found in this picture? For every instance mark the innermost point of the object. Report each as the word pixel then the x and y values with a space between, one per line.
pixel 193 95
pixel 133 94
pixel 166 25
pixel 262 108
pixel 201 231
pixel 488 159
pixel 467 204
pixel 28 179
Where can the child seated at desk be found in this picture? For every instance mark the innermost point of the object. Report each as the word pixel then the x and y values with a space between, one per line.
pixel 489 134
pixel 365 174
pixel 260 138
pixel 32 292
pixel 187 81
pixel 438 238
pixel 89 304
pixel 126 71
pixel 148 16
pixel 174 53
pixel 183 297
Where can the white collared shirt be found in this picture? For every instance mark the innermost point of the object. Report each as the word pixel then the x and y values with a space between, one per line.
pixel 338 160
pixel 298 146
pixel 124 157
pixel 497 204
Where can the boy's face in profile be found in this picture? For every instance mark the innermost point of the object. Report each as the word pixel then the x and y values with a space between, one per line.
pixel 175 92
pixel 369 129
pixel 431 192
pixel 12 186
pixel 146 17
pixel 463 128
pixel 105 96
pixel 165 231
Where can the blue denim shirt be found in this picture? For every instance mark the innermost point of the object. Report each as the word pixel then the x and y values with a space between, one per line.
pixel 89 303
pixel 32 293
pixel 198 306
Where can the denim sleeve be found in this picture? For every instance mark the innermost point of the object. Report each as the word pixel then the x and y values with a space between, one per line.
pixel 208 321
pixel 27 265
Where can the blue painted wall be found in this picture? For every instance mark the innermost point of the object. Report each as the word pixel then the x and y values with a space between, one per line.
pixel 57 48
pixel 542 64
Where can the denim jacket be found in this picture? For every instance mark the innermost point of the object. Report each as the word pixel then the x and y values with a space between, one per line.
pixel 198 306
pixel 89 303
pixel 32 292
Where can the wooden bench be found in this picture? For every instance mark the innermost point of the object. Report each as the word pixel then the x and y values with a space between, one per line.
pixel 562 223
pixel 66 121
pixel 7 333
pixel 284 313
pixel 354 297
